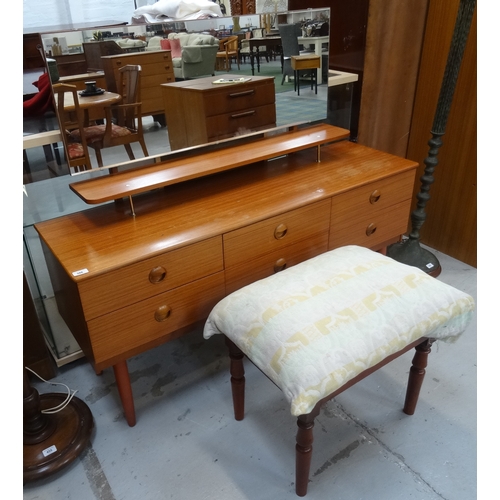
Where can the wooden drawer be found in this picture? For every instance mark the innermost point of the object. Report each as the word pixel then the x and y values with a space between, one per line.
pixel 117 289
pixel 373 214
pixel 361 201
pixel 236 98
pixel 225 125
pixel 372 229
pixel 135 326
pixel 275 233
pixel 273 262
pixel 151 62
pixel 153 82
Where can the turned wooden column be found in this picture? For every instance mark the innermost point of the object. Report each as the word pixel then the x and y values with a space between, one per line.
pixel 51 441
pixel 416 376
pixel 303 453
pixel 237 371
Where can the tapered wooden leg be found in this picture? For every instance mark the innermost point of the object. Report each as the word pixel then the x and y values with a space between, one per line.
pixel 416 377
pixel 130 152
pixel 125 390
pixel 142 142
pixel 303 455
pixel 237 379
pixel 98 156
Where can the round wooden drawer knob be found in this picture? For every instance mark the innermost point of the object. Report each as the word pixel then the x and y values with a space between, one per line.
pixel 371 229
pixel 162 313
pixel 279 265
pixel 157 274
pixel 375 196
pixel 280 231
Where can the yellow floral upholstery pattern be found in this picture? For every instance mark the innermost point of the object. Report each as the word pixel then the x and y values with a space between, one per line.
pixel 313 327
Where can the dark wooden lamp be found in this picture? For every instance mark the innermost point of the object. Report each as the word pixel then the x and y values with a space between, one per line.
pixel 51 441
pixel 409 251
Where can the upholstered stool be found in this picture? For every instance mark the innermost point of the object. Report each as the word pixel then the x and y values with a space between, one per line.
pixel 319 327
pixel 309 62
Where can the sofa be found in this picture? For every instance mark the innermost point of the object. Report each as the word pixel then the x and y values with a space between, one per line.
pixel 193 54
pixel 131 44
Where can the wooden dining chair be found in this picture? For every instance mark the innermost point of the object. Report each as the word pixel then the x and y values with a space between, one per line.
pixel 71 126
pixel 228 50
pixel 123 122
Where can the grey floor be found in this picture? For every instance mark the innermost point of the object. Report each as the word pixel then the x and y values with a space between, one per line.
pixel 186 444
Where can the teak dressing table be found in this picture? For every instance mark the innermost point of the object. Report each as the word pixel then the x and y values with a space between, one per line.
pixel 125 283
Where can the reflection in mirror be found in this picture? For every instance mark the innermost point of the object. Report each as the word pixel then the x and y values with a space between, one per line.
pixel 190 116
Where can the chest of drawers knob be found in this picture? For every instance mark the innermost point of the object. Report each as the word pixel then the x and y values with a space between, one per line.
pixel 375 196
pixel 371 229
pixel 162 313
pixel 280 231
pixel 279 265
pixel 157 274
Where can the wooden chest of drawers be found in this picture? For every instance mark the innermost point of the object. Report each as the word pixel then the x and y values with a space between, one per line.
pixel 275 243
pixel 199 111
pixel 156 69
pixel 125 284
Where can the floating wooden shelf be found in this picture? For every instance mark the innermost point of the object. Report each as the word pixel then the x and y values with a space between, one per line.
pixel 140 180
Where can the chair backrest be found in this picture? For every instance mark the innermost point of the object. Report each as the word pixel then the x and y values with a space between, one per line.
pixel 65 96
pixel 93 51
pixel 130 90
pixel 232 44
pixel 289 34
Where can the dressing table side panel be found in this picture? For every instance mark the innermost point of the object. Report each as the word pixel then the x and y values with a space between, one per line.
pixel 68 302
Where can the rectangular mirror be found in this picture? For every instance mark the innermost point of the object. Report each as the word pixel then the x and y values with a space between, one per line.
pixel 87 54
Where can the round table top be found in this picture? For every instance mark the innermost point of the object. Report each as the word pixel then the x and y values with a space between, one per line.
pixel 99 101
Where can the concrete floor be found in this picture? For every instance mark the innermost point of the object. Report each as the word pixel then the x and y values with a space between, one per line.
pixel 186 444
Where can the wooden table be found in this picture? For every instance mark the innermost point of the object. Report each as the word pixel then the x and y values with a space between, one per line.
pixel 93 106
pixel 268 42
pixel 125 284
pixel 318 42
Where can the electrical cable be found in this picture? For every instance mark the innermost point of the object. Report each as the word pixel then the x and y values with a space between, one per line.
pixel 62 405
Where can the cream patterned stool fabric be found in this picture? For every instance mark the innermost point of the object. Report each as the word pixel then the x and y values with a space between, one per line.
pixel 316 326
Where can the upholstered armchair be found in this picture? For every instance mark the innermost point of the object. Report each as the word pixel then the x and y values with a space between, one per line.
pixel 193 54
pixel 154 43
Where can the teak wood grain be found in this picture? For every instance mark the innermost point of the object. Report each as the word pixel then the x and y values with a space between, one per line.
pixel 126 284
pixel 141 180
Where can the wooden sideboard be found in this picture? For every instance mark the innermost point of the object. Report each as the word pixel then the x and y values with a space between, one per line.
pixel 125 284
pixel 199 111
pixel 157 69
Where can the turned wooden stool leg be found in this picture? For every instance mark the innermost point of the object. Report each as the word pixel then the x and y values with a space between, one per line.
pixel 303 455
pixel 416 377
pixel 237 371
pixel 125 390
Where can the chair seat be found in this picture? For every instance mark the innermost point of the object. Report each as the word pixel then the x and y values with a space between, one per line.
pixel 95 133
pixel 317 325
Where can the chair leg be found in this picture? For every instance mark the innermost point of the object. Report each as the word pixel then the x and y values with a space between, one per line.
pixel 130 153
pixel 416 376
pixel 237 379
pixel 303 454
pixel 142 142
pixel 98 155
